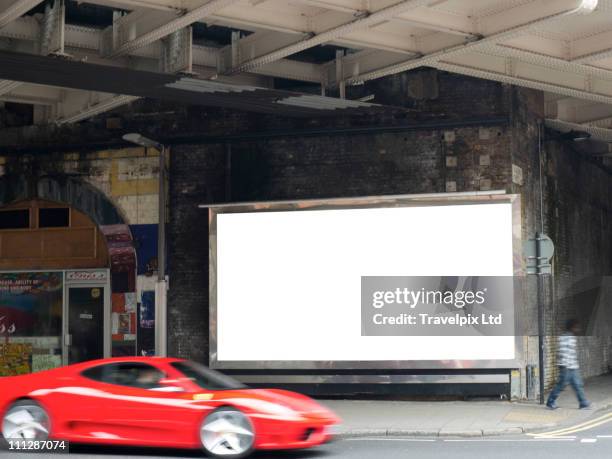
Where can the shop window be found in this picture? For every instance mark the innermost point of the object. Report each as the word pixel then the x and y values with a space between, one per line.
pixel 54 217
pixel 129 374
pixel 30 322
pixel 205 377
pixel 96 373
pixel 15 219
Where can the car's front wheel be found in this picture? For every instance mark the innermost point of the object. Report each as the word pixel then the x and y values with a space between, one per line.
pixel 25 420
pixel 227 432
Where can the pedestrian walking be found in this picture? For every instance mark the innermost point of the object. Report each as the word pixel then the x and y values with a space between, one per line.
pixel 569 369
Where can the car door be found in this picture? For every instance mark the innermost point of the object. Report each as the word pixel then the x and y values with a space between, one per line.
pixel 128 403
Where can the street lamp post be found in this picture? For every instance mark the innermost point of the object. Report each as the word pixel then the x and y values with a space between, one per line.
pixel 161 288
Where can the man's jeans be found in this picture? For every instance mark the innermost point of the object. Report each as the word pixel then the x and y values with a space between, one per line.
pixel 568 376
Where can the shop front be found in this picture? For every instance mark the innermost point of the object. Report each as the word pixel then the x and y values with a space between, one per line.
pixel 64 297
pixel 51 318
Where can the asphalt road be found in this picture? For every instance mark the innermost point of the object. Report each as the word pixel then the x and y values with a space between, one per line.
pixel 591 439
pixel 378 448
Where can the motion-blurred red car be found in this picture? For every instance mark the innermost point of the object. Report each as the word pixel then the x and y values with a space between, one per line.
pixel 162 402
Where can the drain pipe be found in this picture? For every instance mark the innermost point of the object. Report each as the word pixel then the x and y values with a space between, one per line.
pixel 539 286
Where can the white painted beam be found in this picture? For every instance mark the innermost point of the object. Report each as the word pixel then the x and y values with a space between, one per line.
pixel 65 105
pixel 27 93
pixel 357 63
pixel 159 5
pixel 443 21
pixel 592 58
pixel 597 133
pixel 546 61
pixel 17 9
pixel 330 35
pixel 79 105
pixel 6 86
pixel 172 25
pixel 255 44
pixel 530 80
pixel 592 48
pixel 500 31
pixel 331 5
pixel 83 43
pixel 438 27
pixel 53 29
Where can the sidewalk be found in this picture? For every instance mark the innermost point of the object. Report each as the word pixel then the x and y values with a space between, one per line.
pixel 466 419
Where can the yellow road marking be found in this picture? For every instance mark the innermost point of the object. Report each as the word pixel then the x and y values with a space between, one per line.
pixel 577 428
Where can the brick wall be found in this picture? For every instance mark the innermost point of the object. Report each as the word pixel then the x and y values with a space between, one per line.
pixel 573 208
pixel 127 176
pixel 301 167
pixel 477 156
pixel 197 176
pixel 578 205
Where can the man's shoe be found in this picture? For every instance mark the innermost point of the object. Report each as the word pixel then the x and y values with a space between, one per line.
pixel 586 406
pixel 551 406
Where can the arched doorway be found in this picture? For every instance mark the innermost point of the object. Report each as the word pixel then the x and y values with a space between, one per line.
pixel 67 285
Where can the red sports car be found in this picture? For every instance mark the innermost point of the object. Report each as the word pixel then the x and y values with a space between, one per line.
pixel 162 402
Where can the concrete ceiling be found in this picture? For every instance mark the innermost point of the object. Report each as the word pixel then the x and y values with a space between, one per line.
pixel 563 47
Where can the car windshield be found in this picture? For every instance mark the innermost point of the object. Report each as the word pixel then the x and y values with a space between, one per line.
pixel 205 377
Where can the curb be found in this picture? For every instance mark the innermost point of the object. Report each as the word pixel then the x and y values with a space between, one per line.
pixel 380 433
pixel 600 409
pixel 393 432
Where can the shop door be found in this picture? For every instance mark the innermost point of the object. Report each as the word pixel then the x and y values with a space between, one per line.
pixel 85 337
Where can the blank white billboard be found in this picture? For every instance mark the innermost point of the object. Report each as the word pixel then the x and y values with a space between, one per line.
pixel 289 282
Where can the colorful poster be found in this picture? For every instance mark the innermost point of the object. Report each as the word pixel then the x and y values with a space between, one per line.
pixel 15 359
pixel 147 310
pixel 123 281
pixel 130 302
pixel 30 304
pixel 124 324
pixel 41 362
pixel 145 241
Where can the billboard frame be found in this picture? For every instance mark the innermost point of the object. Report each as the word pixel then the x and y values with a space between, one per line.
pixel 414 200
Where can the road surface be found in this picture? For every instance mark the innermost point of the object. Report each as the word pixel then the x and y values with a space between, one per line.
pixel 590 439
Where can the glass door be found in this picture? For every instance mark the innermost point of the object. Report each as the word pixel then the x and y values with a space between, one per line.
pixel 85 334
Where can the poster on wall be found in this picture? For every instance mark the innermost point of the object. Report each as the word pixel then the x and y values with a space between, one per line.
pixel 124 324
pixel 42 362
pixel 30 304
pixel 15 359
pixel 367 281
pixel 147 310
pixel 123 288
pixel 145 240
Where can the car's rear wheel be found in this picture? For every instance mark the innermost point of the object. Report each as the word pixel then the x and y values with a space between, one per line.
pixel 227 432
pixel 25 420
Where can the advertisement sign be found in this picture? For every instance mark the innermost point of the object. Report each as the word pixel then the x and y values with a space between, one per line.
pixel 86 276
pixel 42 362
pixel 15 359
pixel 30 304
pixel 295 287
